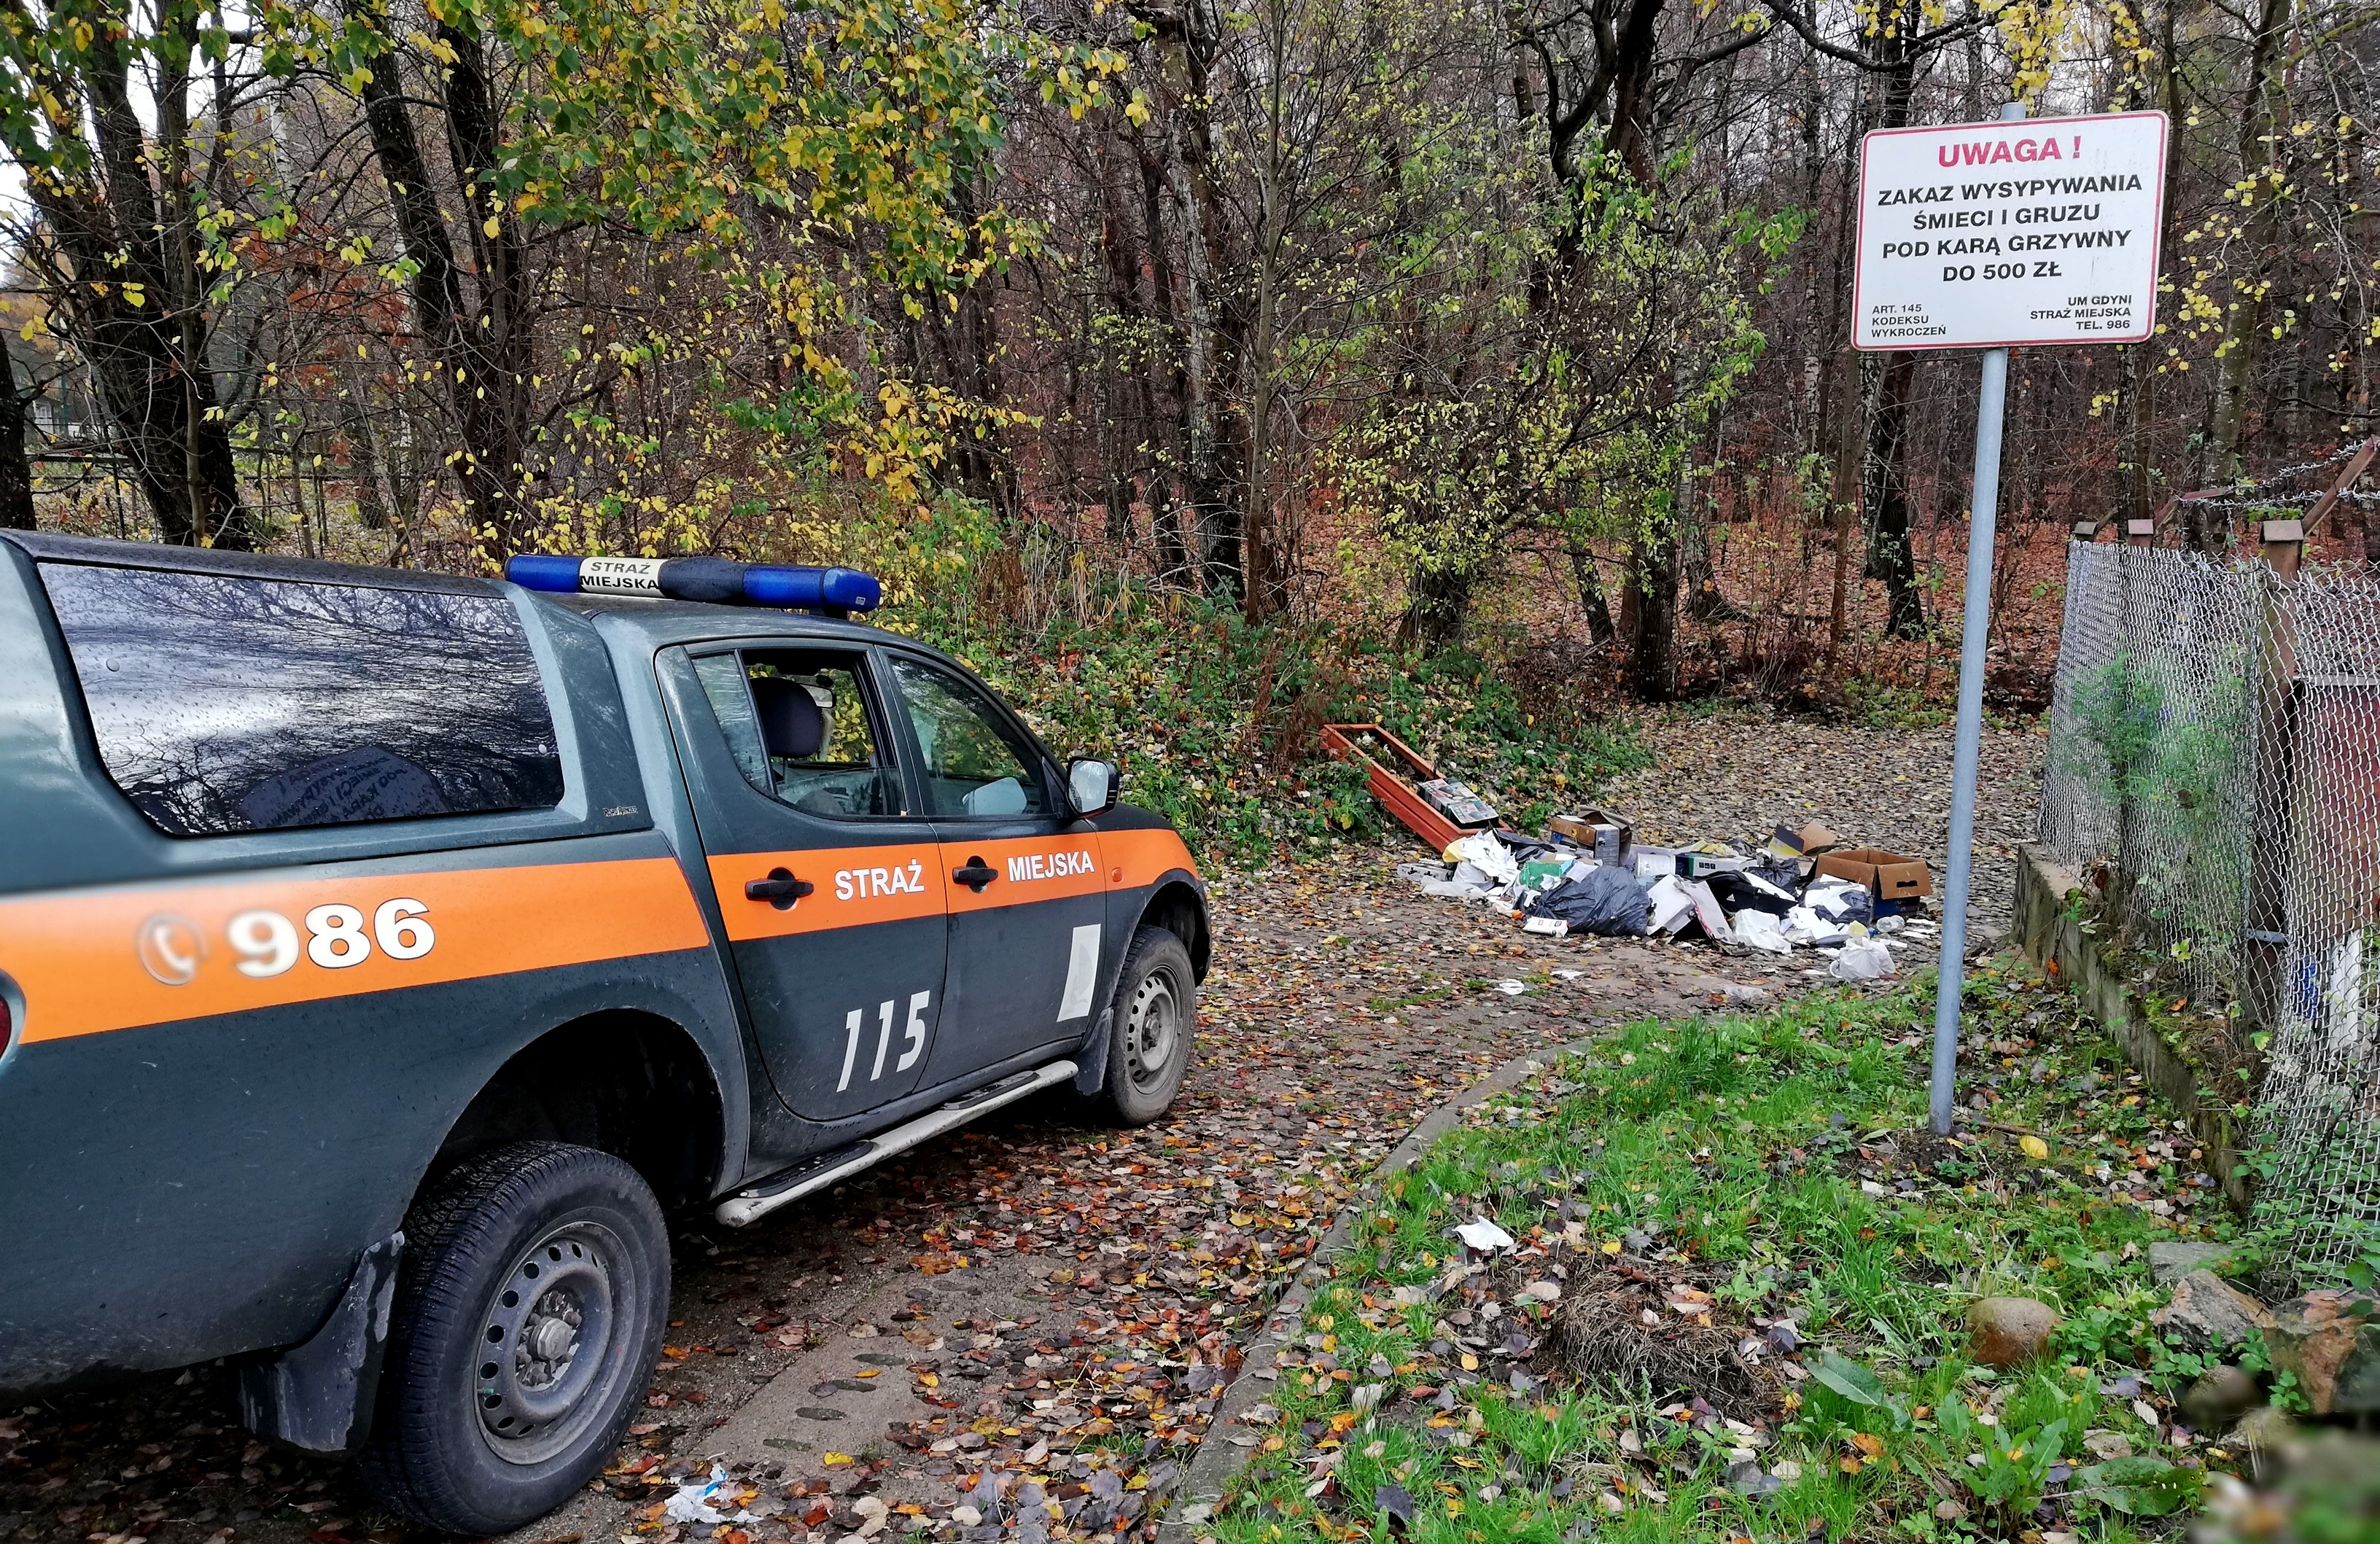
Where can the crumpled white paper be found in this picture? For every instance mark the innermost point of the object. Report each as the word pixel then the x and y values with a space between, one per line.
pixel 1484 1235
pixel 1485 853
pixel 1760 930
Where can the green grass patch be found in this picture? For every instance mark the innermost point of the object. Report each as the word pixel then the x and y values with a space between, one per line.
pixel 1776 1165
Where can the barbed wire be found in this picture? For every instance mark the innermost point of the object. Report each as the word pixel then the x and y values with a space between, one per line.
pixel 2278 501
pixel 2248 494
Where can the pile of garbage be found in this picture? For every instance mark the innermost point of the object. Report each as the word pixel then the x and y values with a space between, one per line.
pixel 1804 889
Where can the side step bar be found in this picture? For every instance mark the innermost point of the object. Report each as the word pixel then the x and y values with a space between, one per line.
pixel 749 1205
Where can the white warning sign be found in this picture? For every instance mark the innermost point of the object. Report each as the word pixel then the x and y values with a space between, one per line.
pixel 2009 233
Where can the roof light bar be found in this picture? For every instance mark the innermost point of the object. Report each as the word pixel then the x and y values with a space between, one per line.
pixel 713 579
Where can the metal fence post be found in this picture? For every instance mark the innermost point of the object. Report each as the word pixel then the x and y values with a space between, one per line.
pixel 2272 773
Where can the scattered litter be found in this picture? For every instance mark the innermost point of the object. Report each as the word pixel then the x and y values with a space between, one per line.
pixel 1707 915
pixel 1862 960
pixel 1485 853
pixel 692 1503
pixel 1457 803
pixel 1511 988
pixel 1484 1236
pixel 1672 906
pixel 1802 888
pixel 1761 930
pixel 1604 900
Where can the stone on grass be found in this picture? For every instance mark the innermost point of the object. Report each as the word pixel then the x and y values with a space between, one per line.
pixel 2314 1337
pixel 2169 1263
pixel 2208 1313
pixel 2010 1331
pixel 2217 1401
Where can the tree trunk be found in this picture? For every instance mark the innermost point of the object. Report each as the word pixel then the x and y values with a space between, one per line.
pixel 2261 134
pixel 16 464
pixel 481 354
pixel 1884 464
pixel 1210 512
pixel 145 351
pixel 1885 496
pixel 1652 609
pixel 1437 602
pixel 1599 628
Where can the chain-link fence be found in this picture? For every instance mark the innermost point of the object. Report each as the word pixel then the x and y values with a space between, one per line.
pixel 2215 772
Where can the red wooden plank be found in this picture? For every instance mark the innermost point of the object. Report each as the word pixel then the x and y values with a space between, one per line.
pixel 1398 796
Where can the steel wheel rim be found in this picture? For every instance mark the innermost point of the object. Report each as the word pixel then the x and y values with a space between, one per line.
pixel 1152 1026
pixel 546 1342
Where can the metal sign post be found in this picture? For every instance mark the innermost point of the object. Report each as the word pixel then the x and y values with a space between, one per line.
pixel 1974 631
pixel 1975 236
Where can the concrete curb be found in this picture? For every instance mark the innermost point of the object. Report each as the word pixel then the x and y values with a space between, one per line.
pixel 1217 1463
pixel 2055 938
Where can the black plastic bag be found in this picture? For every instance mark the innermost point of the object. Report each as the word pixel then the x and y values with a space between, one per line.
pixel 1604 901
pixel 1747 890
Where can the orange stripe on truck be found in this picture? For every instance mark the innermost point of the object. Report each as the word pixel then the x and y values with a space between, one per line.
pixel 89 962
pixel 1142 857
pixel 1027 869
pixel 849 886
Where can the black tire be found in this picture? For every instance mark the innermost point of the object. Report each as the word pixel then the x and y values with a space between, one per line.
pixel 1156 1008
pixel 587 1225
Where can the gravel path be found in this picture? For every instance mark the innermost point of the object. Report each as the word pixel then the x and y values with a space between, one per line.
pixel 1030 1313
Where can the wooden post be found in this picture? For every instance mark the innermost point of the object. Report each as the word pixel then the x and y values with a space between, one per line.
pixel 2356 466
pixel 2272 775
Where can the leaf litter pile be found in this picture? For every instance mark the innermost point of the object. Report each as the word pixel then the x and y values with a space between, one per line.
pixel 1708 1282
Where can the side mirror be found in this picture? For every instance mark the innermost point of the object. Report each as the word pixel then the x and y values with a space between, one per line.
pixel 1092 785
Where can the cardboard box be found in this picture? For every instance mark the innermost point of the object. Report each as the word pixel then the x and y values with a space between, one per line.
pixel 1458 804
pixel 1702 865
pixel 1887 876
pixel 1653 862
pixel 1806 840
pixel 1582 827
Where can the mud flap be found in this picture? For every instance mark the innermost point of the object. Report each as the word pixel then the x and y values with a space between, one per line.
pixel 1091 1061
pixel 319 1395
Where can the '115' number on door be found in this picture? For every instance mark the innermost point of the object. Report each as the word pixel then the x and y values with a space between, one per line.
pixel 912 1038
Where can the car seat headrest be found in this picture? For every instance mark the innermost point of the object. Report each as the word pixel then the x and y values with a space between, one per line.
pixel 791 724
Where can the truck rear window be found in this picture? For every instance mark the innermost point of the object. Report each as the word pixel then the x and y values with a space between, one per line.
pixel 226 703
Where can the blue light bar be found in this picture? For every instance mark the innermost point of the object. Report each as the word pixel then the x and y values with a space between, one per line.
pixel 711 579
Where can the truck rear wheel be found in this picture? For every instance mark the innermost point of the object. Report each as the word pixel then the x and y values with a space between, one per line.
pixel 1148 1042
pixel 530 1309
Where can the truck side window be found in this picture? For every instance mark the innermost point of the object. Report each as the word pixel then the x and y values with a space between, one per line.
pixel 229 704
pixel 974 764
pixel 797 723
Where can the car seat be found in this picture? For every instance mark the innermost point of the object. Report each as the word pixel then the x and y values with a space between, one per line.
pixel 791 724
pixel 793 731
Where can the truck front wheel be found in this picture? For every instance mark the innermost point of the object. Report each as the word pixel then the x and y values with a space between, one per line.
pixel 1156 1015
pixel 529 1308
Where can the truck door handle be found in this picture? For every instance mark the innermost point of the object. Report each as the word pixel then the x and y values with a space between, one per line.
pixel 781 890
pixel 974 873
